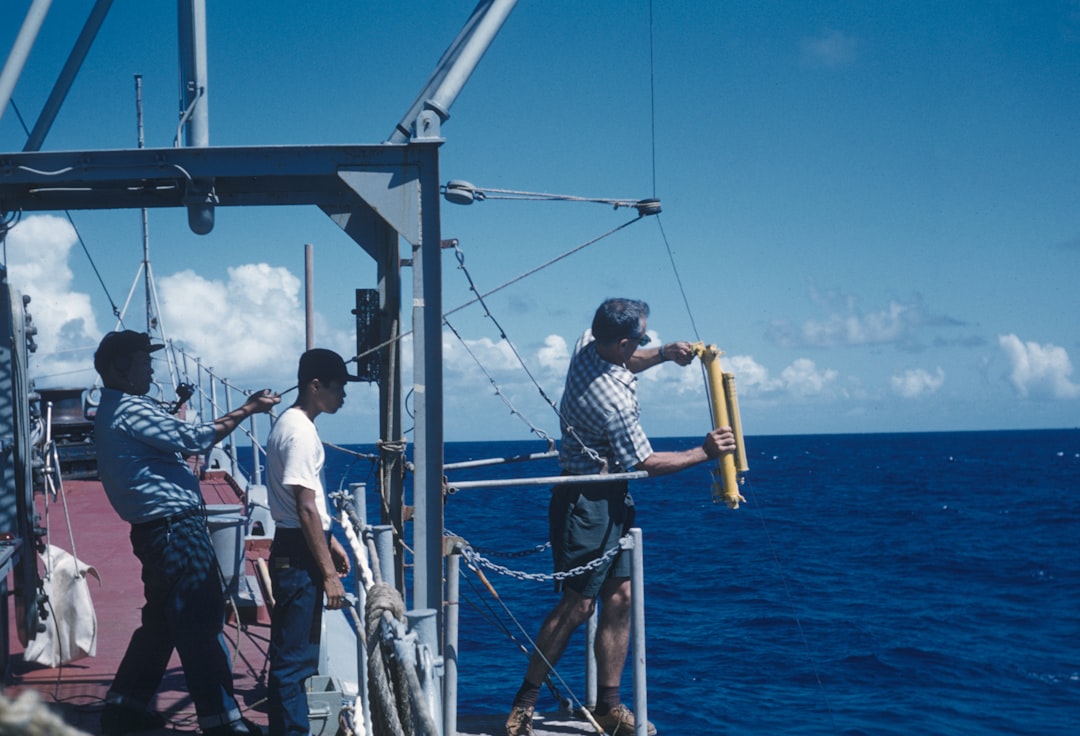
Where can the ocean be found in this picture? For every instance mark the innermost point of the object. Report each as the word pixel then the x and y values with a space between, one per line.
pixel 872 584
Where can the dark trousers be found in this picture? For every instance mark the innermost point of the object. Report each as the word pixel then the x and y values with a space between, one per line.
pixel 295 628
pixel 185 611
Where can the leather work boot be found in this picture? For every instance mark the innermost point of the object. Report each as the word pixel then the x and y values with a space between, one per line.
pixel 520 722
pixel 619 721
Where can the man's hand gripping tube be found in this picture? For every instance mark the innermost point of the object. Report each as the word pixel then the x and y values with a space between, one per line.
pixel 725 413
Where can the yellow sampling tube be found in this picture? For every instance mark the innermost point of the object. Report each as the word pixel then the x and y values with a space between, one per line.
pixel 725 413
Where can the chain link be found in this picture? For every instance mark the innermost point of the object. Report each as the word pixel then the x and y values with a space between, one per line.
pixel 476 559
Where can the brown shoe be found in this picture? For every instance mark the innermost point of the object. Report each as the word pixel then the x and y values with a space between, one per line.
pixel 619 721
pixel 520 722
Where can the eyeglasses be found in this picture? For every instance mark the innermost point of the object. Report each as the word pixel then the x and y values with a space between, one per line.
pixel 641 341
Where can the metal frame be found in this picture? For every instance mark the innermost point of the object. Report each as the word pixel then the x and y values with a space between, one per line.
pixel 375 193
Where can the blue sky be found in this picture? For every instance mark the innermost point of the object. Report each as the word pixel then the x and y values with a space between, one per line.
pixel 872 207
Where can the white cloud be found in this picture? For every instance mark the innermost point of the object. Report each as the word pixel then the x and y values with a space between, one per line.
pixel 915 382
pixel 847 325
pixel 243 327
pixel 67 333
pixel 801 378
pixel 1039 371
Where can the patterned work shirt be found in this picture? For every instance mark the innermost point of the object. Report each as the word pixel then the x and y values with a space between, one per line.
pixel 139 448
pixel 600 405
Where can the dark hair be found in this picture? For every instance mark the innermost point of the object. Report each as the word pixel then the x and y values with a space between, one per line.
pixel 618 319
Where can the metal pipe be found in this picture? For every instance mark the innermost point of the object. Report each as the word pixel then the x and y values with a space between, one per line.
pixel 550 480
pixel 450 648
pixel 191 22
pixel 67 76
pixel 358 491
pixel 500 460
pixel 456 65
pixel 234 462
pixel 20 50
pixel 637 633
pixel 590 661
pixel 384 550
pixel 428 383
pixel 309 295
pixel 363 704
pixel 423 623
pixel 255 459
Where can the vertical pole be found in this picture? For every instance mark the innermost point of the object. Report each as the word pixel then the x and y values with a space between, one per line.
pixel 256 461
pixel 391 453
pixel 191 22
pixel 427 381
pixel 213 411
pixel 450 650
pixel 590 661
pixel 637 632
pixel 309 296
pixel 358 492
pixel 423 623
pixel 234 460
pixel 384 548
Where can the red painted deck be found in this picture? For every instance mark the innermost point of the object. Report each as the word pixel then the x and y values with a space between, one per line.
pixel 77 690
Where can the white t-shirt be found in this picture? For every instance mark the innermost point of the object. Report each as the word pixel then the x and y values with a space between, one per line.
pixel 294 457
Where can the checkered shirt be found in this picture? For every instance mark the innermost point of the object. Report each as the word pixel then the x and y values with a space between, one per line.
pixel 600 404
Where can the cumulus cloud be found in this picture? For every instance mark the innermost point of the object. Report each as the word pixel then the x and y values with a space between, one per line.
pixel 1038 371
pixel 831 50
pixel 241 326
pixel 802 378
pixel 915 382
pixel 848 325
pixel 38 249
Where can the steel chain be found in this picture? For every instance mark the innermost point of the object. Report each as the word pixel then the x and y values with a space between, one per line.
pixel 475 558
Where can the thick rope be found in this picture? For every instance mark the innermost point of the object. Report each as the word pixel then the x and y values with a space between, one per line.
pixel 390 705
pixel 28 716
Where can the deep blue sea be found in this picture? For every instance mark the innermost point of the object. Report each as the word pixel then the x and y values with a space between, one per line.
pixel 872 584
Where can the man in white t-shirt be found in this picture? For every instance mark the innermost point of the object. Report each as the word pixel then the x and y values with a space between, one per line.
pixel 306 561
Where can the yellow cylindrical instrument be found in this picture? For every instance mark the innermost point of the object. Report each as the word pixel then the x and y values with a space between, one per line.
pixel 725 413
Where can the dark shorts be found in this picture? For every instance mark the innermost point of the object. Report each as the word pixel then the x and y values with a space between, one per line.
pixel 587 519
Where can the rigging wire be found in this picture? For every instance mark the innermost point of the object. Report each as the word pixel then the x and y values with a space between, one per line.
pixel 568 429
pixel 542 266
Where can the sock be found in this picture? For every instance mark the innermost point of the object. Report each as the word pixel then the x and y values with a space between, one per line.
pixel 606 699
pixel 527 695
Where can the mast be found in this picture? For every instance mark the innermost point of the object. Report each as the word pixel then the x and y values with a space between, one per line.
pixel 145 218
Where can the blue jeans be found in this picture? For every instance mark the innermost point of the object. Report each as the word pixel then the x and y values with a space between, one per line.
pixel 295 627
pixel 185 611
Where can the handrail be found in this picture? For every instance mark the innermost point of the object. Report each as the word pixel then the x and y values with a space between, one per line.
pixel 548 480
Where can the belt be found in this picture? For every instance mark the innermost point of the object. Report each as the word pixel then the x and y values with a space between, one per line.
pixel 168 521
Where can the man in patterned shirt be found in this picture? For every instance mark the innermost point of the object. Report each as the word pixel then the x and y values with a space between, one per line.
pixel 601 433
pixel 140 450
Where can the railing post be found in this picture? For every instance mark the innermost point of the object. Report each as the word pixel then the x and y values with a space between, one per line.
pixel 384 548
pixel 358 492
pixel 450 649
pixel 637 632
pixel 590 662
pixel 424 623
